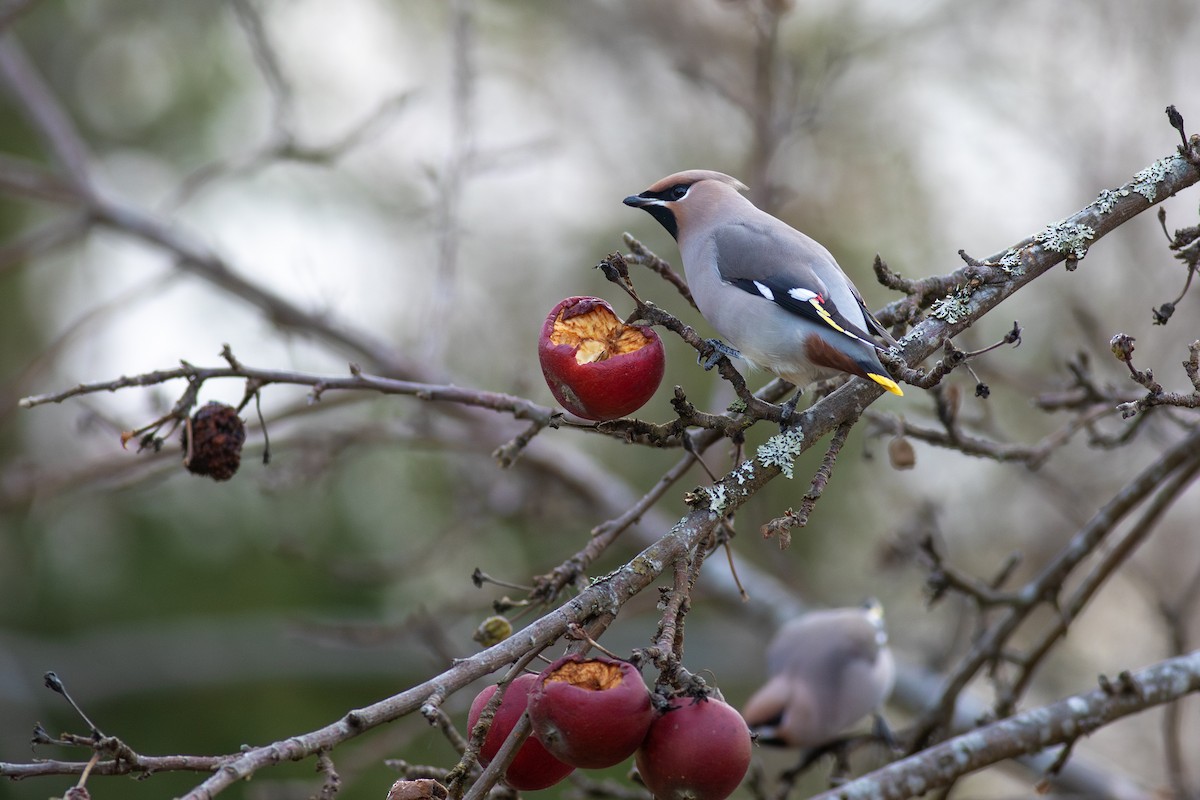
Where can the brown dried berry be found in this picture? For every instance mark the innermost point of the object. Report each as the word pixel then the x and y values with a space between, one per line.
pixel 901 453
pixel 217 437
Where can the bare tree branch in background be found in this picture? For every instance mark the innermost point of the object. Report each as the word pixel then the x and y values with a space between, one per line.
pixel 567 600
pixel 1032 731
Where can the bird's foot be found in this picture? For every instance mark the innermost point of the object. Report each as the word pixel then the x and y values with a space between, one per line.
pixel 717 348
pixel 883 732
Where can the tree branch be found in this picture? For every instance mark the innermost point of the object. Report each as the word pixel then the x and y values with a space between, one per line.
pixel 1030 732
pixel 1045 586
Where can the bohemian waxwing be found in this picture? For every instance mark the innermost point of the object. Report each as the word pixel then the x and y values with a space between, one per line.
pixel 773 293
pixel 827 670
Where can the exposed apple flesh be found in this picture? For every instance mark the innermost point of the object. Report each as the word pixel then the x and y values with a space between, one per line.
pixel 596 366
pixel 590 712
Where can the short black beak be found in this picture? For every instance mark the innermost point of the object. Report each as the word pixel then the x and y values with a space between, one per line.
pixel 656 208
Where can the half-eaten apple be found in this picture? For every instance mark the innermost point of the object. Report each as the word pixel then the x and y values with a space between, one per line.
pixel 591 713
pixel 595 365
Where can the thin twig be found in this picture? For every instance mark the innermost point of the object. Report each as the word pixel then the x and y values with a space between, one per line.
pixel 1049 581
pixel 48 116
pixel 1119 554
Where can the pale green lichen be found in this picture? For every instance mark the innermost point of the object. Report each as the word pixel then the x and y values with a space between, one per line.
pixel 1010 262
pixel 1079 707
pixel 717 500
pixel 1146 181
pixel 1107 200
pixel 1067 237
pixel 641 565
pixel 781 450
pixel 743 472
pixel 915 785
pixel 951 308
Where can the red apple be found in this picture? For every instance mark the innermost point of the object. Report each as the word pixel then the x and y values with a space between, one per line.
pixel 590 713
pixel 697 749
pixel 595 365
pixel 533 767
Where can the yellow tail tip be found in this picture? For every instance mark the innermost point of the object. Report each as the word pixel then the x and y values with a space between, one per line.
pixel 886 383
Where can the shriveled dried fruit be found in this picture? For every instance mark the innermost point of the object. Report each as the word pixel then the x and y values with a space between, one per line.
pixel 595 365
pixel 493 630
pixel 216 445
pixel 901 453
pixel 590 712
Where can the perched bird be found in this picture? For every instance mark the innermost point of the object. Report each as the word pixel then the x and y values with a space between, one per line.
pixel 777 296
pixel 828 669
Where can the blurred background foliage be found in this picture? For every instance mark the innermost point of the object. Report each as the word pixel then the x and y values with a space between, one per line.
pixel 490 143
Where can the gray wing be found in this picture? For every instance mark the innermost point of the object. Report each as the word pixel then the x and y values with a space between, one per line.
pixel 783 266
pixel 753 251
